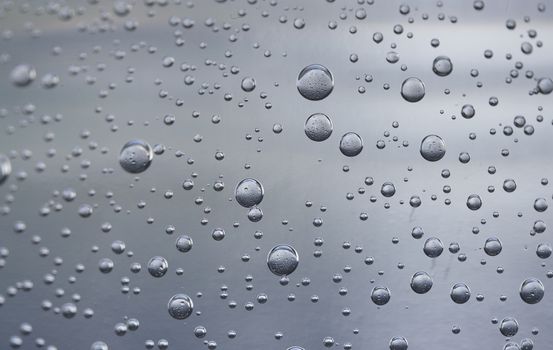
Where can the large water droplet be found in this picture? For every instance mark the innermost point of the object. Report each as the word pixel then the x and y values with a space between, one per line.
pixel 412 89
pixel 432 148
pixel 315 82
pixel 532 291
pixel 249 192
pixel 282 260
pixel 460 293
pixel 351 144
pixel 421 282
pixel 180 306
pixel 136 156
pixel 318 127
pixel 442 66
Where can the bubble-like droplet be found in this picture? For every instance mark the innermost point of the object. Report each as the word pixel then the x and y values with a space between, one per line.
pixel 468 111
pixel 248 84
pixel 380 295
pixel 180 306
pixel 318 127
pixel 412 89
pixel 544 250
pixel 218 234
pixel 532 291
pixel 295 348
pixel 509 185
pixel 432 148
pixel 184 243
pixel 282 260
pixel 493 246
pixel 421 282
pixel 351 144
pixel 508 327
pixel 136 156
pixel 22 75
pixel 545 85
pixel 5 168
pixel 474 202
pixel 442 66
pixel 157 266
pixel 433 247
pixel 249 192
pixel 398 343
pixel 460 293
pixel 99 345
pixel 315 82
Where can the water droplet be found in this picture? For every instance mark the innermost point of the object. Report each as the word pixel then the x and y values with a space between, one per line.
pixel 22 75
pixel 282 260
pixel 184 243
pixel 442 66
pixel 398 343
pixel 432 148
pixel 532 291
pixel 248 84
pixel 315 82
pixel 157 266
pixel 508 326
pixel 249 192
pixel 421 282
pixel 493 246
pixel 351 144
pixel 5 168
pixel 433 247
pixel 380 295
pixel 318 127
pixel 412 89
pixel 474 202
pixel 180 306
pixel 136 156
pixel 460 293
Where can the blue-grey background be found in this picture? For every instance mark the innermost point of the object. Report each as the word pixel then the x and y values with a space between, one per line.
pixel 292 169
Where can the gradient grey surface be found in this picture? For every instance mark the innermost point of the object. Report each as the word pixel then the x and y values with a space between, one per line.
pixel 292 168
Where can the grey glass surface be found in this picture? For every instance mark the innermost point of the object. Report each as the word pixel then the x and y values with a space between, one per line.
pixel 118 83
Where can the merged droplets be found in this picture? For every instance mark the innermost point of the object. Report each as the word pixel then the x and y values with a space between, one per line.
pixel 282 260
pixel 412 89
pixel 5 168
pixel 318 127
pixel 249 193
pixel 460 293
pixel 315 82
pixel 180 306
pixel 442 66
pixel 351 144
pixel 380 295
pixel 22 75
pixel 532 291
pixel 421 282
pixel 136 156
pixel 432 148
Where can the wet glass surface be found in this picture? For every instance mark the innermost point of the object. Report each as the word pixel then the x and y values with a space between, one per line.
pixel 275 174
